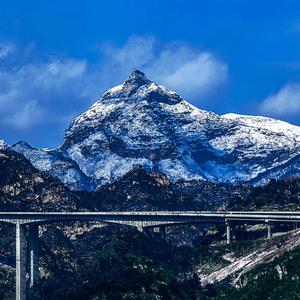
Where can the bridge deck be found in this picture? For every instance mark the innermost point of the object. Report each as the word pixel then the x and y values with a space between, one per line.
pixel 150 218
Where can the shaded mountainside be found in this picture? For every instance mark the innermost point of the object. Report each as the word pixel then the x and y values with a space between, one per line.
pixel 130 265
pixel 24 188
pixel 141 124
pixel 139 190
pixel 276 195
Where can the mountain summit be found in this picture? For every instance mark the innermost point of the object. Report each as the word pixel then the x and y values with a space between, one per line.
pixel 141 124
pixel 137 77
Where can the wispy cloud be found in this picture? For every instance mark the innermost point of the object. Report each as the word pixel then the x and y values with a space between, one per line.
pixel 286 102
pixel 197 76
pixel 37 92
pixel 6 49
pixel 29 115
pixel 295 27
pixel 192 73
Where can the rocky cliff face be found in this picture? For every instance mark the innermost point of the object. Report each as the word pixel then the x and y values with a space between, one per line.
pixel 140 124
pixel 24 188
pixel 139 190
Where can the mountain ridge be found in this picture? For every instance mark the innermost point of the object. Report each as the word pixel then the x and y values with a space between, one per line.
pixel 141 124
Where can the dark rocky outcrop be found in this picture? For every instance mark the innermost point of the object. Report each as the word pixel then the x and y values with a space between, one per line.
pixel 24 188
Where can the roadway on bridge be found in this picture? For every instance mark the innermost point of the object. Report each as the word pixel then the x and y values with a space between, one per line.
pixel 149 217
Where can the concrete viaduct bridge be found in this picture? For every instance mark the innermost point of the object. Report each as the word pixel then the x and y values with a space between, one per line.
pixel 29 221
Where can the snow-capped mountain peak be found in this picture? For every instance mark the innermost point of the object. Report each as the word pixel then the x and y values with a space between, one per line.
pixel 141 124
pixel 137 78
pixel 138 86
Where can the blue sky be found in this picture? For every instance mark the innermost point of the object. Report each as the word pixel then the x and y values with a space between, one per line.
pixel 57 57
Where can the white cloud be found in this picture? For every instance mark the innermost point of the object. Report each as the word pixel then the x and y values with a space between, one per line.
pixel 5 50
pixel 29 115
pixel 286 102
pixel 295 27
pixel 136 52
pixel 197 76
pixel 65 70
pixel 194 74
pixel 28 91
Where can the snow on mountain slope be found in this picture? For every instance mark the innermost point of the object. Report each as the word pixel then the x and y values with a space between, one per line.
pixel 3 145
pixel 272 125
pixel 142 124
pixel 54 163
pixel 263 144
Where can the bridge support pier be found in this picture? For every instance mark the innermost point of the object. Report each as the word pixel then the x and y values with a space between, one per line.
pixel 140 228
pixel 156 229
pixel 228 232
pixel 160 229
pixel 233 233
pixel 33 245
pixel 20 262
pixel 269 230
pixel 164 231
